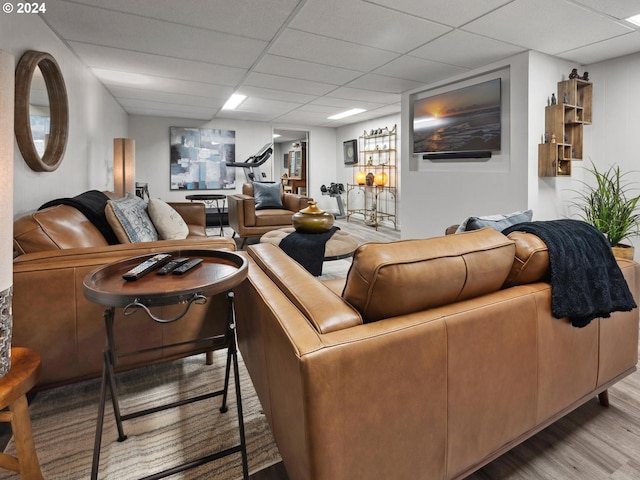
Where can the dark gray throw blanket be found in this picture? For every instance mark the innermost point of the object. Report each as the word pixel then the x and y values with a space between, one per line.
pixel 91 204
pixel 586 282
pixel 307 248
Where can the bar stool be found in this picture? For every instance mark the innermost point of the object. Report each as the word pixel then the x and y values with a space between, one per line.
pixel 23 375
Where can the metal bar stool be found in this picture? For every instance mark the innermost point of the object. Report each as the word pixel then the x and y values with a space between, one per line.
pixel 23 375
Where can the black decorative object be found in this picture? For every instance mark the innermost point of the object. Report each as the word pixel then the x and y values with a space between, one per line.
pixel 350 152
pixel 456 155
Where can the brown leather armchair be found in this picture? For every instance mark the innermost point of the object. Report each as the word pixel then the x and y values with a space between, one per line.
pixel 247 222
pixel 54 249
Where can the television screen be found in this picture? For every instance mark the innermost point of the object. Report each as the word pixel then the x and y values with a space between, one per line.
pixel 462 120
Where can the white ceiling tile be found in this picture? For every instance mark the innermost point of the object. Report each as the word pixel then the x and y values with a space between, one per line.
pixel 272 107
pixel 451 12
pixel 270 94
pixel 466 49
pixel 616 8
pixel 418 70
pixel 303 70
pixel 156 65
pixel 622 45
pixel 167 97
pixel 366 24
pixel 175 110
pixel 103 27
pixel 329 51
pixel 355 95
pixel 548 26
pixel 192 55
pixel 159 84
pixel 382 83
pixel 251 18
pixel 276 82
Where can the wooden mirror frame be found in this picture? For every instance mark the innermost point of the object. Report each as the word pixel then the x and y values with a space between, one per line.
pixel 58 108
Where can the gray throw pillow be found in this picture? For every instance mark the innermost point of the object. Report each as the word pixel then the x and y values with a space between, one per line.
pixel 267 195
pixel 497 222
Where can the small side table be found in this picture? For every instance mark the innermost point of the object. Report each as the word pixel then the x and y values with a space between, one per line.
pixel 208 200
pixel 218 273
pixel 23 375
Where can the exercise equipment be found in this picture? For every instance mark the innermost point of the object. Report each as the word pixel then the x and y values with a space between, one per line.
pixel 335 190
pixel 251 166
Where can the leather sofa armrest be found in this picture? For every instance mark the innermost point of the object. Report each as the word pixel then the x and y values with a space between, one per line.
pixel 195 216
pixel 324 309
pixel 242 211
pixel 295 202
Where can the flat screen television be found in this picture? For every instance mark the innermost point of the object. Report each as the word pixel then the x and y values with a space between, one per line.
pixel 459 123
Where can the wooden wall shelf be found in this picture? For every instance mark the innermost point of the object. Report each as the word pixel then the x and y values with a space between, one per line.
pixel 564 124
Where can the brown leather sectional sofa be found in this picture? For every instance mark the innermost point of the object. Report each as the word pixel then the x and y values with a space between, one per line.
pixel 55 249
pixel 435 357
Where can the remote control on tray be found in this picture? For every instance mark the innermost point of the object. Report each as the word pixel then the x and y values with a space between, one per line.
pixel 172 265
pixel 145 267
pixel 185 267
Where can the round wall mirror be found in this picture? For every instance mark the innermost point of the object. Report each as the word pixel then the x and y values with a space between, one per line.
pixel 41 111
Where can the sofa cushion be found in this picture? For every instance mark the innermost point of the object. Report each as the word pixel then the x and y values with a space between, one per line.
pixel 169 224
pixel 397 278
pixel 267 195
pixel 129 220
pixel 497 222
pixel 55 228
pixel 531 263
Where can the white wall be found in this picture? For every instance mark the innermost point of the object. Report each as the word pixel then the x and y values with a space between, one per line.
pixel 548 196
pixel 95 118
pixel 611 139
pixel 437 196
pixel 152 153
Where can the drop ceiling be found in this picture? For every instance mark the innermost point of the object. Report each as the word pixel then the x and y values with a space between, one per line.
pixel 299 62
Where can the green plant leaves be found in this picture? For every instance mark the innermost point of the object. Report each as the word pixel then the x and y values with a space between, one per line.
pixel 608 205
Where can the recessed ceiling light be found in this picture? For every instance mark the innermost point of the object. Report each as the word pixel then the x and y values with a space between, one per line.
pixel 635 19
pixel 233 102
pixel 348 113
pixel 276 135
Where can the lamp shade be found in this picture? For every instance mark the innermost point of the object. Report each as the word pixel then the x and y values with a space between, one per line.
pixel 381 179
pixel 124 166
pixel 361 177
pixel 7 80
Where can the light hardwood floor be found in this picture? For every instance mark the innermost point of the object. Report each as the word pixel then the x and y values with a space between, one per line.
pixel 590 443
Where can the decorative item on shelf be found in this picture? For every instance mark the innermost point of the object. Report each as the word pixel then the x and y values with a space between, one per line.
pixel 361 177
pixel 574 73
pixel 565 98
pixel 370 179
pixel 553 99
pixel 370 161
pixel 312 219
pixel 585 77
pixel 611 208
pixel 553 138
pixel 381 179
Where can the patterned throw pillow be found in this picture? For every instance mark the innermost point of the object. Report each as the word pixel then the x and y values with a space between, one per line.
pixel 169 224
pixel 129 220
pixel 497 222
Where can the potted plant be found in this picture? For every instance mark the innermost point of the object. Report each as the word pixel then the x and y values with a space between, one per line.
pixel 610 206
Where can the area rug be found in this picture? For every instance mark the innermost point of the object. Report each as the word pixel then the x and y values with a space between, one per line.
pixel 64 420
